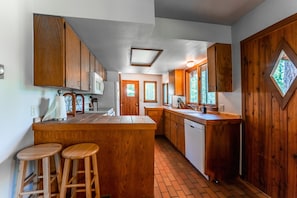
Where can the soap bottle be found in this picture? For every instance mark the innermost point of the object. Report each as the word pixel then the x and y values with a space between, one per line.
pixel 203 109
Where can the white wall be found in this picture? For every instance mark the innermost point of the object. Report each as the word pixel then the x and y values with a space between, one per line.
pixel 117 10
pixel 141 78
pixel 266 14
pixel 18 94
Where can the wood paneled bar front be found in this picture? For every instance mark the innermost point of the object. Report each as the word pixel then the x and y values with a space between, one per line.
pixel 126 155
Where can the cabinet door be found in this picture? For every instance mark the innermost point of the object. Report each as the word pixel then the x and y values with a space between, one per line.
pixel 85 68
pixel 49 48
pixel 180 135
pixel 157 116
pixel 167 124
pixel 222 144
pixel 92 62
pixel 176 82
pixel 219 68
pixel 173 132
pixel 72 59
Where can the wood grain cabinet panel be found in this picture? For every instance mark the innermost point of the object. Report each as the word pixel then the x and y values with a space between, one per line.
pixel 60 58
pixel 222 143
pixel 72 54
pixel 49 49
pixel 219 68
pixel 85 67
pixel 167 124
pixel 156 114
pixel 126 155
pixel 174 130
pixel 176 82
pixel 222 150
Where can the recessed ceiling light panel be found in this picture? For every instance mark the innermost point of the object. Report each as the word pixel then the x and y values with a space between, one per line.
pixel 144 57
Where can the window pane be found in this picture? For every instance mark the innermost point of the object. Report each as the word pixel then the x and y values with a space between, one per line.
pixel 150 91
pixel 206 97
pixel 194 87
pixel 130 90
pixel 165 93
pixel 283 73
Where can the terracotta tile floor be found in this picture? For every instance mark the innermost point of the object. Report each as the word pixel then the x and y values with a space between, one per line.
pixel 176 177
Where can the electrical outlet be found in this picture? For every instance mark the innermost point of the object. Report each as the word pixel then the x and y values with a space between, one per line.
pixel 221 108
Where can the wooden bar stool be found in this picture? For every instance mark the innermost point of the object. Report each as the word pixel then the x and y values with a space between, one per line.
pixel 36 153
pixel 90 182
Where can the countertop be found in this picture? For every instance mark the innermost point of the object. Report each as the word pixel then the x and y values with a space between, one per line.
pixel 90 120
pixel 203 118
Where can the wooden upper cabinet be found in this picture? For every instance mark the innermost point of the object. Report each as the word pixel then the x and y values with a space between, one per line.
pixel 60 58
pixel 92 62
pixel 72 59
pixel 100 69
pixel 85 67
pixel 49 51
pixel 176 82
pixel 219 68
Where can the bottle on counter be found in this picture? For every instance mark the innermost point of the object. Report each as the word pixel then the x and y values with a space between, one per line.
pixel 203 109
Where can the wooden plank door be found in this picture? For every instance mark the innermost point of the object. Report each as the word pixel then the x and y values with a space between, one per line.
pixel 129 97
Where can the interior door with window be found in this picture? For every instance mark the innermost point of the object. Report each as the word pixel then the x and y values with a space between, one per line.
pixel 129 97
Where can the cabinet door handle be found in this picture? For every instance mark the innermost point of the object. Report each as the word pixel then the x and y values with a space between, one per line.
pixel 295 156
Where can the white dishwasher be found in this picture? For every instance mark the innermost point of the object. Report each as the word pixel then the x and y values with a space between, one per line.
pixel 195 145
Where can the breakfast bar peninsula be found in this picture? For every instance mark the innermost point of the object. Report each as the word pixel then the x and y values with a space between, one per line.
pixel 126 155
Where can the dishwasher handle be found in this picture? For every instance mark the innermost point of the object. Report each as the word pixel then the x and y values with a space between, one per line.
pixel 193 124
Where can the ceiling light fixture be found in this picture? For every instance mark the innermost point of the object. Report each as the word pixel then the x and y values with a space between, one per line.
pixel 190 63
pixel 144 57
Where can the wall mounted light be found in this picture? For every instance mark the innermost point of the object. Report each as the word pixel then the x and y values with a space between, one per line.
pixel 1 71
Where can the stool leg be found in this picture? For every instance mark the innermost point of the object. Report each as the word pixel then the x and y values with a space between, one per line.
pixel 46 177
pixel 65 178
pixel 75 175
pixel 88 177
pixel 37 174
pixel 58 170
pixel 21 178
pixel 96 175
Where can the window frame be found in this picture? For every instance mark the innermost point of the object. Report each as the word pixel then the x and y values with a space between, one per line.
pixel 198 67
pixel 144 92
pixel 212 106
pixel 164 100
pixel 188 73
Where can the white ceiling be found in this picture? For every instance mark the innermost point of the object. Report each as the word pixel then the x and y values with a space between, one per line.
pixel 111 41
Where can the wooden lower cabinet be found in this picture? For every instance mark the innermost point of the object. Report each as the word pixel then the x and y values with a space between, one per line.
pixel 222 142
pixel 167 124
pixel 177 132
pixel 222 146
pixel 156 114
pixel 126 155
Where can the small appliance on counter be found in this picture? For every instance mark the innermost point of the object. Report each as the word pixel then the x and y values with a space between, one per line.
pixel 177 101
pixel 57 110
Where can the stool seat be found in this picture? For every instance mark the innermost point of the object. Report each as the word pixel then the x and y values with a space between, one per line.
pixel 80 151
pixel 89 184
pixel 39 151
